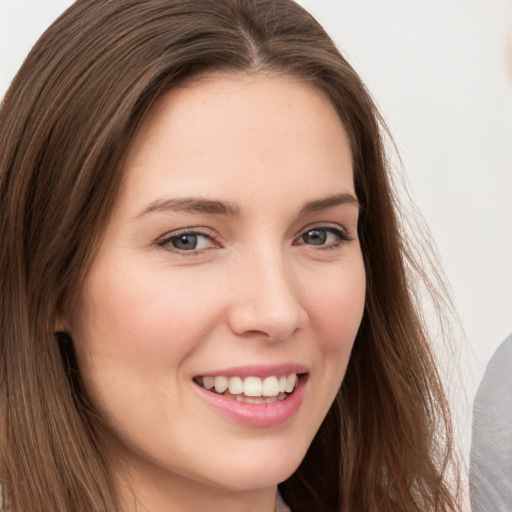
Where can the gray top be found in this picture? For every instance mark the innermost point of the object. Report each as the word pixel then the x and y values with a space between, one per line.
pixel 490 472
pixel 281 506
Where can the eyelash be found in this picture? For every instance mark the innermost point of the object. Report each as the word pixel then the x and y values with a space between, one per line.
pixel 341 233
pixel 166 242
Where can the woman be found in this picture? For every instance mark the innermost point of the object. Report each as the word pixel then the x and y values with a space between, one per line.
pixel 204 281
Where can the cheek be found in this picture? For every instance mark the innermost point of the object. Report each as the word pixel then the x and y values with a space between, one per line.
pixel 337 310
pixel 131 309
pixel 135 328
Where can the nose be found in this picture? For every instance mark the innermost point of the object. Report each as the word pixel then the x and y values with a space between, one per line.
pixel 265 301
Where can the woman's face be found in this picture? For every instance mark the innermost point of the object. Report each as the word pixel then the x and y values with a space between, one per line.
pixel 231 259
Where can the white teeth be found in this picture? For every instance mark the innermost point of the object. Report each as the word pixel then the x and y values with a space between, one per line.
pixel 254 400
pixel 209 382
pixel 291 380
pixel 236 385
pixel 221 384
pixel 252 386
pixel 272 387
pixel 282 384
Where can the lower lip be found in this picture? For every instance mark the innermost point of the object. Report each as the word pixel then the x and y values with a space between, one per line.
pixel 257 415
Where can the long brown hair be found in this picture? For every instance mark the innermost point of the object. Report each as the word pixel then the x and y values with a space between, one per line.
pixel 65 124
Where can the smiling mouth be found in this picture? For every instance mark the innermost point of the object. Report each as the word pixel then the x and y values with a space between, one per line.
pixel 251 390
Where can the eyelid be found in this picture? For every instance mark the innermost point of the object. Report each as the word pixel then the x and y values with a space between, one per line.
pixel 165 239
pixel 343 234
pixel 323 225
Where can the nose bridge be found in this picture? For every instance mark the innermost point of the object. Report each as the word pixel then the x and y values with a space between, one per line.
pixel 266 299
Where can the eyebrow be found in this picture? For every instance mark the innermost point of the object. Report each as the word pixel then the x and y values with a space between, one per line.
pixel 329 202
pixel 214 207
pixel 193 205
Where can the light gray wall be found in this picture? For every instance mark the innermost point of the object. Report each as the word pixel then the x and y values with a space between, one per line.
pixel 437 69
pixel 441 72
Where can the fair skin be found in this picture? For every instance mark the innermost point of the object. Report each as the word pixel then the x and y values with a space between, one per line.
pixel 223 258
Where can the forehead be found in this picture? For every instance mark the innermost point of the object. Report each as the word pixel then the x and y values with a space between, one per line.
pixel 227 130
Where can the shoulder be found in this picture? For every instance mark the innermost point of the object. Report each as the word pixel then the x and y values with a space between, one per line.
pixel 491 443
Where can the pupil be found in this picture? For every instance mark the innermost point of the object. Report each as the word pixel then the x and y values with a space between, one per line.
pixel 185 242
pixel 315 237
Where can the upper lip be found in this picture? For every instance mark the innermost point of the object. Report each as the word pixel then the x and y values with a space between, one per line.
pixel 257 370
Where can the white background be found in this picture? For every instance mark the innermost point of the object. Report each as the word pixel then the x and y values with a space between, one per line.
pixel 438 71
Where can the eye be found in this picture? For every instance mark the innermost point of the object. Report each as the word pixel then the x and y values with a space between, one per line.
pixel 324 236
pixel 187 241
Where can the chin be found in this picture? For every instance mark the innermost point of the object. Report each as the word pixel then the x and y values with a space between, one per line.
pixel 252 478
pixel 246 472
